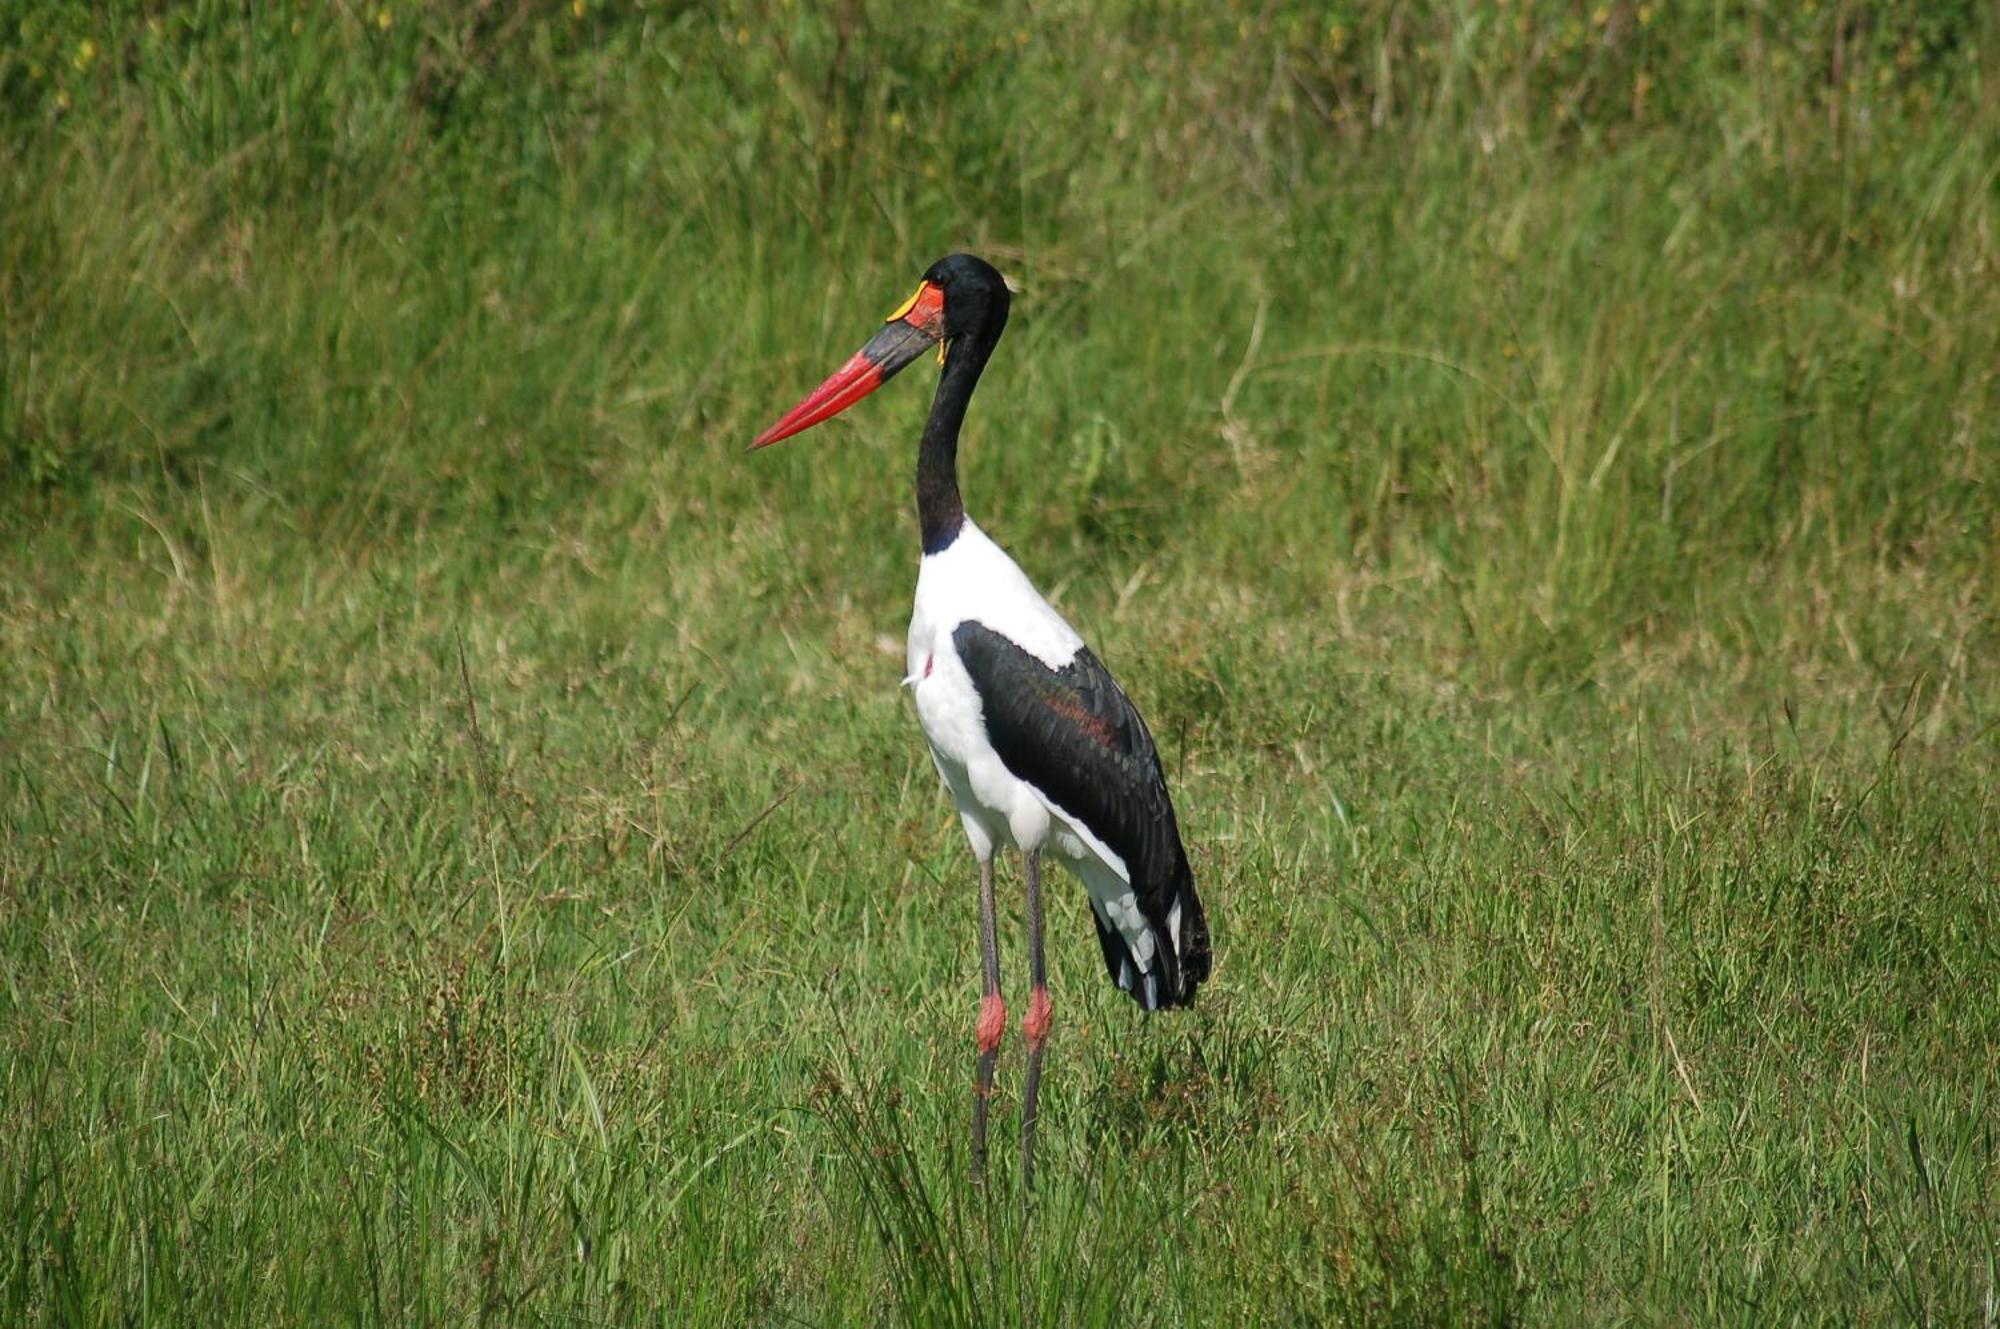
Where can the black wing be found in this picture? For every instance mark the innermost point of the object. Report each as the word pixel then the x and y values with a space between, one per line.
pixel 1074 735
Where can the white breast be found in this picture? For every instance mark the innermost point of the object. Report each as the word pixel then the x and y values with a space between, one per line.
pixel 973 578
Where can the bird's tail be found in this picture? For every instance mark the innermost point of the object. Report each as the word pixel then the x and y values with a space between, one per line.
pixel 1180 959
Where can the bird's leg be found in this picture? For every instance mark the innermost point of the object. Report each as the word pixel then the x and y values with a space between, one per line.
pixel 992 1016
pixel 1035 1024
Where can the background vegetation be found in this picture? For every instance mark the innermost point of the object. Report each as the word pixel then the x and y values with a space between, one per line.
pixel 463 852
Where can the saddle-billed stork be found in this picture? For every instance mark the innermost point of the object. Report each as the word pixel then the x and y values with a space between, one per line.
pixel 1039 746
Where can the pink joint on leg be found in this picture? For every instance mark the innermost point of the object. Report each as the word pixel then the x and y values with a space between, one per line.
pixel 992 1022
pixel 1035 1024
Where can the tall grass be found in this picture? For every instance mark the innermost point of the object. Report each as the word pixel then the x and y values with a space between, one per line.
pixel 462 849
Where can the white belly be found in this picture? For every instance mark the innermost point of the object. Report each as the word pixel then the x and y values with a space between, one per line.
pixel 998 809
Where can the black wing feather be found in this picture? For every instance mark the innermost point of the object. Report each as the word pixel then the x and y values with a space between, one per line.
pixel 1074 735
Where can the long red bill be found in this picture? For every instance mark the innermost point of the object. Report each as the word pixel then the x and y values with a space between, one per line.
pixel 910 331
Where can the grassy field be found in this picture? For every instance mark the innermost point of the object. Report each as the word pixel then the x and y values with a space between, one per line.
pixel 464 853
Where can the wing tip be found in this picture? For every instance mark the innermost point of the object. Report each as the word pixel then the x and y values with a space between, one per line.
pixel 1163 987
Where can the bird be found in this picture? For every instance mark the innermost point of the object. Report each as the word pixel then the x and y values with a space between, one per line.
pixel 1041 750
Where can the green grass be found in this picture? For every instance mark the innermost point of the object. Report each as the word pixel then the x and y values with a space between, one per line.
pixel 463 849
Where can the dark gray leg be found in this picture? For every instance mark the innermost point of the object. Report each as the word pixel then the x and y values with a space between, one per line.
pixel 992 1017
pixel 1035 1024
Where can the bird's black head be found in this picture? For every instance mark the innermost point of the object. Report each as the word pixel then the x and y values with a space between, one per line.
pixel 975 297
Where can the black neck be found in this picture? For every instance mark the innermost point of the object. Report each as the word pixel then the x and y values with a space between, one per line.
pixel 940 511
